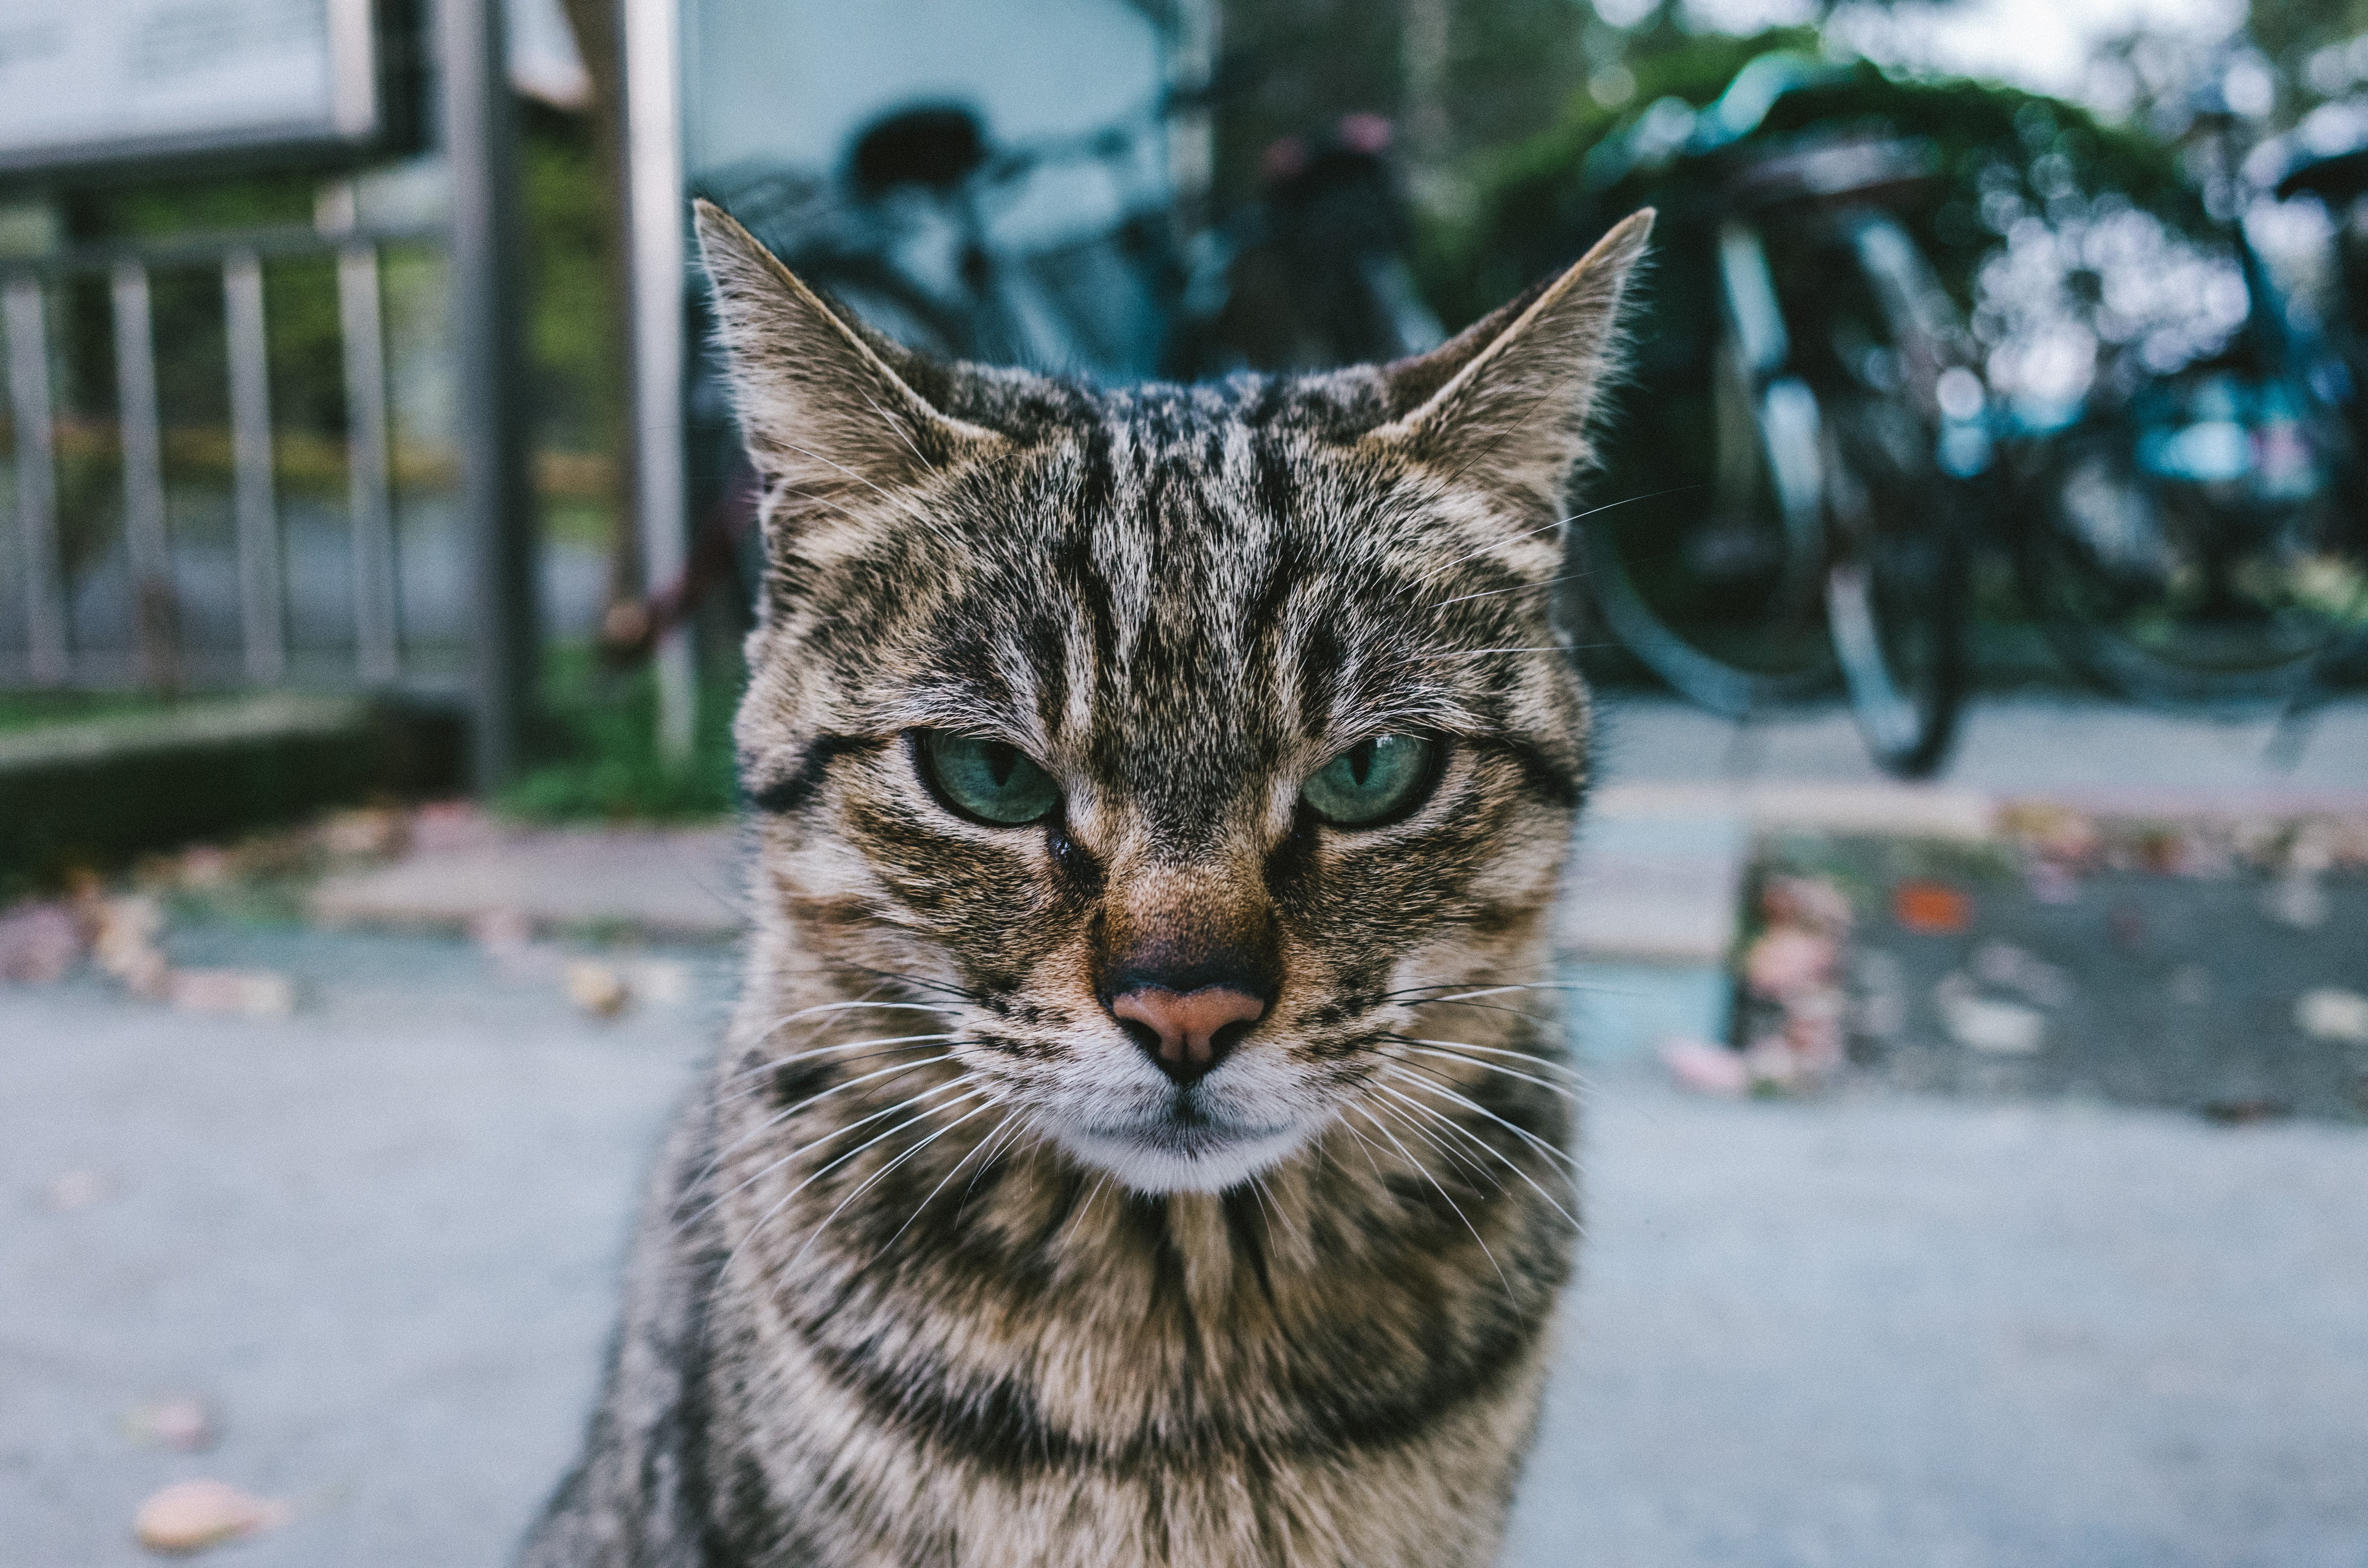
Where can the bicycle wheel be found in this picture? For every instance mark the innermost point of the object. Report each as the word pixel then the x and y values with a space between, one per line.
pixel 1723 601
pixel 2203 553
pixel 1896 591
pixel 1899 394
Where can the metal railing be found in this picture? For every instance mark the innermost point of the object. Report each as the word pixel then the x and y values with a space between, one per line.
pixel 48 658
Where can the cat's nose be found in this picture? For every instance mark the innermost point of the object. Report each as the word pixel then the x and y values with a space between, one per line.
pixel 1187 1033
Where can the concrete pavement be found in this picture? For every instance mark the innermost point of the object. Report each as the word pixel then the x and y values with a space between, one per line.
pixel 379 1238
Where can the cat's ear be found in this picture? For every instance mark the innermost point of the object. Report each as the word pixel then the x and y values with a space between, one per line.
pixel 824 405
pixel 1505 402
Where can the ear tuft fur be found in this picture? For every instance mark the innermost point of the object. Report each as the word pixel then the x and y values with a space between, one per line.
pixel 820 404
pixel 1504 404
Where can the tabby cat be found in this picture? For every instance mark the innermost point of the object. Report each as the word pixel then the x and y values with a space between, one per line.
pixel 1143 1136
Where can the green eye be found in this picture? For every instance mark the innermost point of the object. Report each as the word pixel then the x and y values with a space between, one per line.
pixel 994 781
pixel 1372 780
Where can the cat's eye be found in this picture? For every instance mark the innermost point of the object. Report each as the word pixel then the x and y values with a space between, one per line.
pixel 1374 781
pixel 991 781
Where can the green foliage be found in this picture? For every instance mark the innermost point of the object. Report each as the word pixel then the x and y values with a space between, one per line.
pixel 1532 203
pixel 1537 210
pixel 28 710
pixel 603 763
pixel 575 348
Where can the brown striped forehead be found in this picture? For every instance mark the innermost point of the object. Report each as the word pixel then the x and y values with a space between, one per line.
pixel 1180 596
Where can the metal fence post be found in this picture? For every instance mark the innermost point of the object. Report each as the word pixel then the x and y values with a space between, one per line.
pixel 481 141
pixel 145 542
pixel 653 183
pixel 261 591
pixel 37 482
pixel 369 486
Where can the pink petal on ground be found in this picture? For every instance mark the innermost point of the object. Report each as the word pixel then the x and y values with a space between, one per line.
pixel 1704 1068
pixel 1786 958
pixel 190 1515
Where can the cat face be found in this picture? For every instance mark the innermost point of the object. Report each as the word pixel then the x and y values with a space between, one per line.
pixel 1177 745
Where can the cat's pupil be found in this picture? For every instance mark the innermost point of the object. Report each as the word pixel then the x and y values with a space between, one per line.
pixel 1361 761
pixel 1001 759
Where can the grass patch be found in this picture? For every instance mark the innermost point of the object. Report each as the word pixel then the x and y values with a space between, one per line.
pixel 29 710
pixel 600 755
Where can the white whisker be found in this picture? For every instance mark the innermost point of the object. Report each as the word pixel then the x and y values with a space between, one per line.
pixel 765 1219
pixel 1421 1079
pixel 877 1177
pixel 1508 1163
pixel 772 1063
pixel 804 1149
pixel 1079 1214
pixel 790 1110
pixel 1452 1055
pixel 1547 528
pixel 1451 1124
pixel 950 1175
pixel 1425 1170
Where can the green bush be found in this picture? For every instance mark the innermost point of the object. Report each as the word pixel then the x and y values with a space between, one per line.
pixel 599 748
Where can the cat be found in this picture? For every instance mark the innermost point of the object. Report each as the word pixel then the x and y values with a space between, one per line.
pixel 1143 1137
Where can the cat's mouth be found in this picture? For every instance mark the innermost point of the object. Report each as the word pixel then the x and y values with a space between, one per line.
pixel 1182 1148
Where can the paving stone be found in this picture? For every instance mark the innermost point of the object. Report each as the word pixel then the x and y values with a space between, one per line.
pixel 679 883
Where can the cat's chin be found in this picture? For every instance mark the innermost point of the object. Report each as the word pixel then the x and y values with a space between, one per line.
pixel 1170 1156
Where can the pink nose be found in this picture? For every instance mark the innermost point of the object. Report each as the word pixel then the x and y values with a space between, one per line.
pixel 1189 1028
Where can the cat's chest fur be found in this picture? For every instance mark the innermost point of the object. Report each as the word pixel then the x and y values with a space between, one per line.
pixel 1143 1136
pixel 1039 1368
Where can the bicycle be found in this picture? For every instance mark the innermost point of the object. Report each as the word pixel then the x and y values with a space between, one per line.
pixel 2200 541
pixel 2188 540
pixel 908 239
pixel 914 238
pixel 1312 275
pixel 1845 424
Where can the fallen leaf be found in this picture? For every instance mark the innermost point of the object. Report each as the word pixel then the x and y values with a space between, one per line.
pixel 2011 968
pixel 447 827
pixel 1931 909
pixel 2055 832
pixel 1704 1068
pixel 1812 901
pixel 79 1189
pixel 502 930
pixel 2332 1013
pixel 1982 1023
pixel 124 943
pixel 1786 958
pixel 245 993
pixel 2245 1112
pixel 204 866
pixel 190 1515
pixel 38 944
pixel 598 989
pixel 2296 899
pixel 1769 1064
pixel 372 832
pixel 661 982
pixel 2051 882
pixel 178 1421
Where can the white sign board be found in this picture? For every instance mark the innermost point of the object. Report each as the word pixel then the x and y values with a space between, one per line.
pixel 97 81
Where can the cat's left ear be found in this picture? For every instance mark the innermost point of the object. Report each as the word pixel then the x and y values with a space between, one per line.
pixel 1504 404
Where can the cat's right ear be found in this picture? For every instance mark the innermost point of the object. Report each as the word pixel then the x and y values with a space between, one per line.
pixel 822 408
pixel 1505 403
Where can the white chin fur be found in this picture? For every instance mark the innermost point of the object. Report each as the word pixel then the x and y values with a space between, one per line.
pixel 1179 1159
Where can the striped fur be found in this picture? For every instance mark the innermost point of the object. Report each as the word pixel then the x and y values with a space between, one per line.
pixel 938 1268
